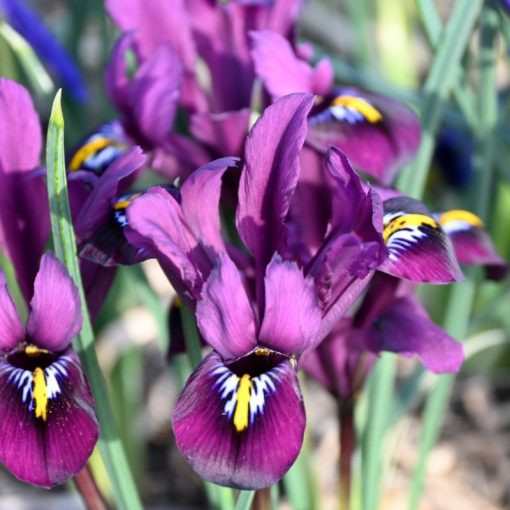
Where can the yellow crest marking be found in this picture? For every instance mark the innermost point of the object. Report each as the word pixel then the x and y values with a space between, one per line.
pixel 357 103
pixel 243 396
pixel 89 148
pixel 461 215
pixel 32 351
pixel 122 204
pixel 405 221
pixel 40 394
pixel 262 351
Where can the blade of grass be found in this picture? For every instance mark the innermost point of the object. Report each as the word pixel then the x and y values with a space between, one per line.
pixel 34 70
pixel 462 295
pixel 244 500
pixel 456 321
pixel 438 85
pixel 412 182
pixel 298 481
pixel 380 395
pixel 463 95
pixel 359 14
pixel 65 247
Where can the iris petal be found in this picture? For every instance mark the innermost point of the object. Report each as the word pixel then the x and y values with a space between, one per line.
pixel 11 329
pixel 379 135
pixel 48 428
pixel 405 328
pixel 238 427
pixel 56 316
pixel 419 249
pixel 472 242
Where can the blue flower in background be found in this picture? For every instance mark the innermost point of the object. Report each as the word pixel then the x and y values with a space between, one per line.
pixel 29 24
pixel 454 157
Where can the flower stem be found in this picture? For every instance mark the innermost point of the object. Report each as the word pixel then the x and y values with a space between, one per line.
pixel 64 243
pixel 89 491
pixel 347 446
pixel 262 499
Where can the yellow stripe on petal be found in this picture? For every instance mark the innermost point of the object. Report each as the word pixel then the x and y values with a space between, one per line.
pixel 461 215
pixel 87 150
pixel 407 221
pixel 122 204
pixel 40 394
pixel 243 396
pixel 370 113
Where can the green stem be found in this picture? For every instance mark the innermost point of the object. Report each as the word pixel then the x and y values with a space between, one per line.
pixel 488 110
pixel 463 95
pixel 380 391
pixel 462 295
pixel 244 500
pixel 438 86
pixel 65 248
pixel 191 336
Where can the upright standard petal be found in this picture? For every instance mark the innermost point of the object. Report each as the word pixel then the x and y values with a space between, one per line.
pixel 149 100
pixel 48 428
pixel 405 328
pixel 280 70
pixel 238 427
pixel 200 199
pixel 224 132
pixel 353 208
pixel 419 249
pixel 24 214
pixel 155 93
pixel 11 329
pixel 224 314
pixel 156 222
pixel 20 131
pixel 341 270
pixel 269 178
pixel 379 135
pixel 154 23
pixel 292 315
pixel 55 316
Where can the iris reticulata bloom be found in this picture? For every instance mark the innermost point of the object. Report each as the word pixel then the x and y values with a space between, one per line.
pixel 378 134
pixel 260 312
pixel 49 427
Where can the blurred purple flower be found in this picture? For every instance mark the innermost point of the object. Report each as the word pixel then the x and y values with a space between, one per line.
pixel 378 135
pixel 32 28
pixel 48 428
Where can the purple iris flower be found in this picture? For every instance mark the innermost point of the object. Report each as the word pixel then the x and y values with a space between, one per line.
pixel 24 214
pixel 390 318
pixel 379 135
pixel 49 427
pixel 31 27
pixel 259 314
pixel 147 101
pixel 217 94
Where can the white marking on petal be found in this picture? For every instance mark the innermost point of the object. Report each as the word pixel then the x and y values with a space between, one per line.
pixel 23 380
pixel 227 385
